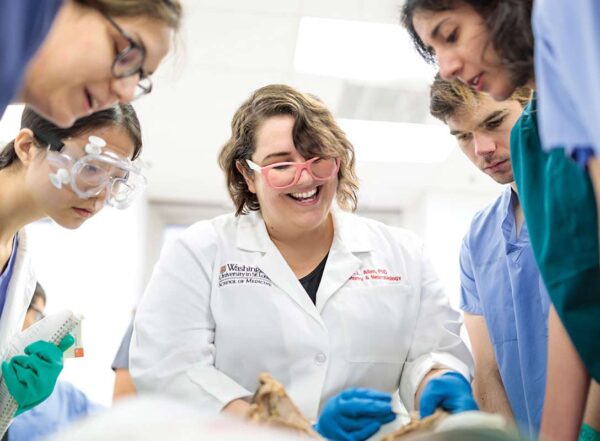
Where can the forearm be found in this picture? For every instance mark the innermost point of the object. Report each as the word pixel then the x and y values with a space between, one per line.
pixel 488 388
pixel 490 394
pixel 567 382
pixel 124 386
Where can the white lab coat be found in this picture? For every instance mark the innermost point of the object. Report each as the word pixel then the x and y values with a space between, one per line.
pixel 222 306
pixel 19 294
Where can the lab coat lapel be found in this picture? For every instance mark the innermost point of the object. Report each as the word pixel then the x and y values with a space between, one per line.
pixel 349 241
pixel 18 296
pixel 276 268
pixel 253 236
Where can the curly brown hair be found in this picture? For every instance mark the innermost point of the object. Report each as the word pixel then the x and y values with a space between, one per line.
pixel 315 133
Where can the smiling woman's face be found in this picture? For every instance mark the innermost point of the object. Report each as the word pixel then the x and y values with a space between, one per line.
pixel 459 40
pixel 303 207
pixel 71 77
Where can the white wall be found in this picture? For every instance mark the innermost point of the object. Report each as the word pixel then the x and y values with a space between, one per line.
pixel 95 270
pixel 445 219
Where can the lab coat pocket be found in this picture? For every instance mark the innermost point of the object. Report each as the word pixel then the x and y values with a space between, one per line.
pixel 377 322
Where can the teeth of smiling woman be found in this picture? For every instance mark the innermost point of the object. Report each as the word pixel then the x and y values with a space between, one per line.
pixel 304 195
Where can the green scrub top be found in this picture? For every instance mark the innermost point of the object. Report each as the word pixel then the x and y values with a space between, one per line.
pixel 560 210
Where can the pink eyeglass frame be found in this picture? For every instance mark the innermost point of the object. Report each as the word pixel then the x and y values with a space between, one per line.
pixel 299 167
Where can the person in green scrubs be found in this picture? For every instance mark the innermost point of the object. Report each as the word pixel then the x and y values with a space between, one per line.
pixel 490 48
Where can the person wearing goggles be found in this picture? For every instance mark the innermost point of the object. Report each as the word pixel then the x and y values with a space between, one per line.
pixel 68 175
pixel 345 312
pixel 97 169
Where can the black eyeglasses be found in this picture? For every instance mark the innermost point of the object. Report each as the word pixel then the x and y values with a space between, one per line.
pixel 130 61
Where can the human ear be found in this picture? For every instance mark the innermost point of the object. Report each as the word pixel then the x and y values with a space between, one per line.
pixel 247 177
pixel 25 147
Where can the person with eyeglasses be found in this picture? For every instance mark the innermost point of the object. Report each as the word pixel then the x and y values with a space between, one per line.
pixel 63 407
pixel 70 58
pixel 68 175
pixel 346 312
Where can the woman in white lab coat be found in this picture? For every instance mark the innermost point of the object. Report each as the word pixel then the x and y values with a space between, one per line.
pixel 67 175
pixel 322 299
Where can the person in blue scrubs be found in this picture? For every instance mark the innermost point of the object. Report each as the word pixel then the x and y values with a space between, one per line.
pixel 66 405
pixel 23 27
pixel 502 294
pixel 45 62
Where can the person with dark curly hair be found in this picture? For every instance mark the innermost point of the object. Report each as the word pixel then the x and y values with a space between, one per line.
pixel 489 45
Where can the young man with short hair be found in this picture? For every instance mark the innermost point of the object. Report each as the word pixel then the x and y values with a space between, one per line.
pixel 502 295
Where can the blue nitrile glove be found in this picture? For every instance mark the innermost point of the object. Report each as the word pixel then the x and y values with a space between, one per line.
pixel 588 433
pixel 355 415
pixel 30 378
pixel 450 391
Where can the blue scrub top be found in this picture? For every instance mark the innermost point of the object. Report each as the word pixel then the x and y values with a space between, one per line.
pixel 7 273
pixel 121 360
pixel 567 69
pixel 501 282
pixel 66 405
pixel 23 27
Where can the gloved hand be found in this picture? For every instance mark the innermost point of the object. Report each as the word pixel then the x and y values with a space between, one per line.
pixel 450 391
pixel 355 415
pixel 30 378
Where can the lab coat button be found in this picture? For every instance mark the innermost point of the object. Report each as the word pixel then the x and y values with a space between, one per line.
pixel 320 358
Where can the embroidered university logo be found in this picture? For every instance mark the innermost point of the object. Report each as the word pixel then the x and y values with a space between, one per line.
pixel 236 274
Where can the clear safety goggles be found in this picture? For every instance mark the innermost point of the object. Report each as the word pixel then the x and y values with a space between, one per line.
pixel 98 170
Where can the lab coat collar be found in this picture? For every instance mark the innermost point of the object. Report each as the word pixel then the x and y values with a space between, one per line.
pixel 252 233
pixel 351 236
pixel 351 231
pixel 18 296
pixel 252 236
